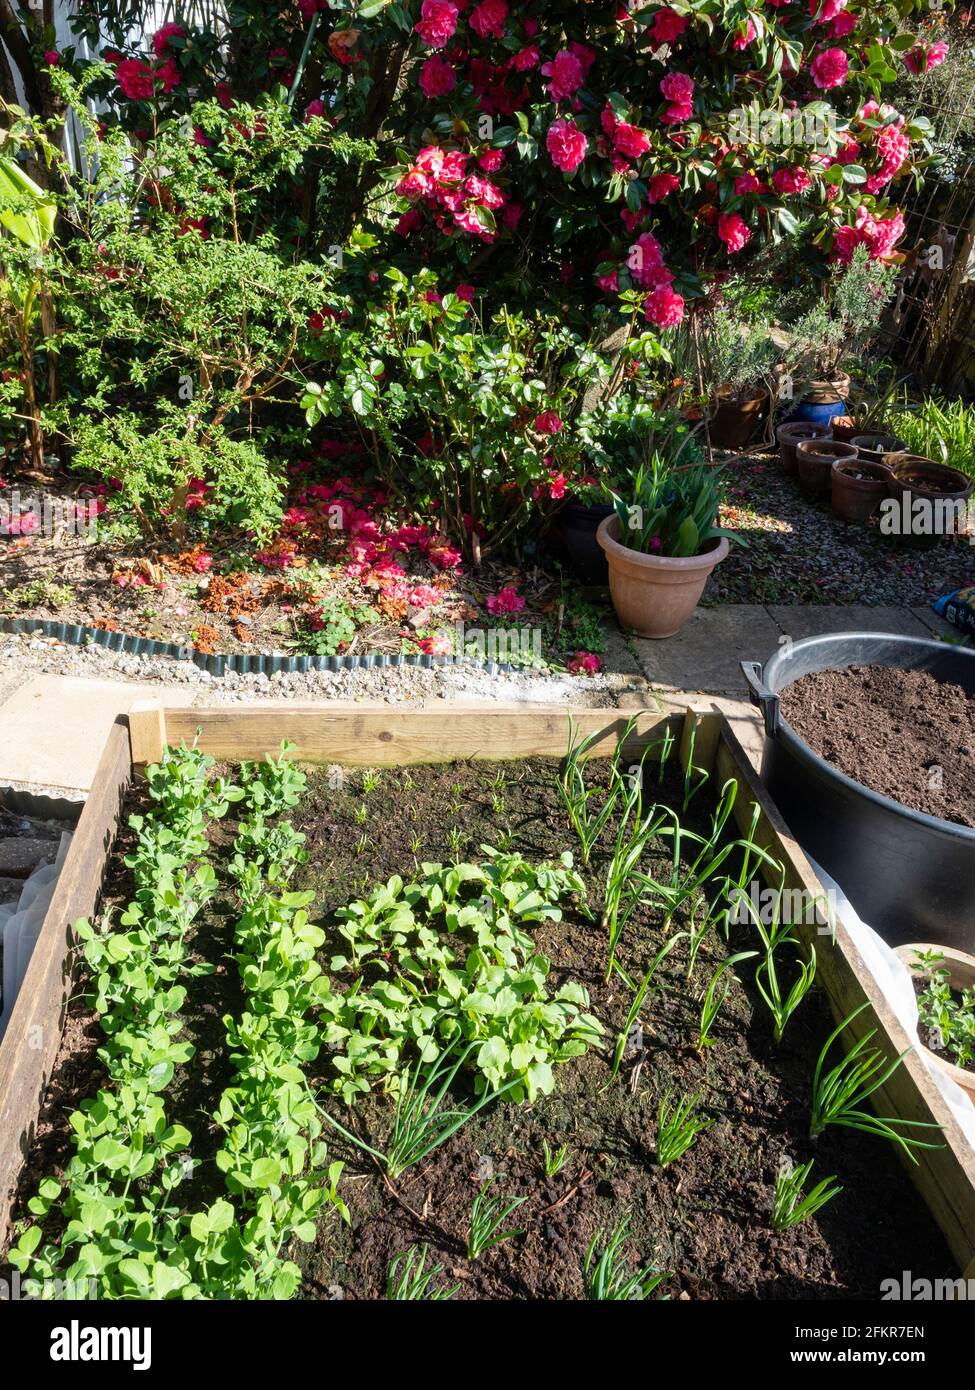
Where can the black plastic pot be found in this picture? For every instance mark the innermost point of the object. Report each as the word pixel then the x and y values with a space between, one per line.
pixel 910 876
pixel 579 526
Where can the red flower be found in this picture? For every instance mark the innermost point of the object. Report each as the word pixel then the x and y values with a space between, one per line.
pixel 664 307
pixel 830 68
pixel 548 423
pixel 160 39
pixel 584 664
pixel 566 144
pixel 438 22
pixel 507 600
pixel 135 79
pixel 733 231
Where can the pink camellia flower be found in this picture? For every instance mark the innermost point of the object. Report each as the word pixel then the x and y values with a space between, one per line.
pixel 408 223
pixel 491 161
pixel 507 600
pixel 925 56
pixel 53 58
pixel 747 183
pixel 525 59
pixel 881 236
pixel 566 144
pixel 584 664
pixel 660 186
pixel 742 40
pixel 830 68
pixel 733 231
pixel 845 242
pixel 678 89
pixel 663 307
pixel 437 23
pixel 564 75
pixel 203 562
pixel 487 19
pixel 160 39
pixel 668 25
pixel 437 77
pixel 842 25
pixel 893 146
pixel 423 596
pixel 135 79
pixel 823 11
pixel 169 75
pixel 314 108
pixel 630 140
pixel 466 293
pixel 791 179
pixel 549 422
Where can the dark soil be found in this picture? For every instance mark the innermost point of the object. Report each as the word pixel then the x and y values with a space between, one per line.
pixel 705 1219
pixel 903 734
pixel 707 1216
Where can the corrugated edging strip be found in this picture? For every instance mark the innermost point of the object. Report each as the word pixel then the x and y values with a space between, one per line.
pixel 242 663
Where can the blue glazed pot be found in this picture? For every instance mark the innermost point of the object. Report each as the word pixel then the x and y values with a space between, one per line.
pixel 819 412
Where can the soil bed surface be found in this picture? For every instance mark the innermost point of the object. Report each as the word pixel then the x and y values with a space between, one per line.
pixel 903 734
pixel 705 1218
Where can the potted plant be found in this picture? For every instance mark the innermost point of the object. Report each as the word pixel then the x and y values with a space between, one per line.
pixel 945 985
pixel 833 330
pixel 738 357
pixel 661 544
pixel 614 441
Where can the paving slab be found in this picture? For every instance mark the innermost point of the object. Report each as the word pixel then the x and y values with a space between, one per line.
pixel 936 626
pixel 53 729
pixel 704 656
pixel 798 620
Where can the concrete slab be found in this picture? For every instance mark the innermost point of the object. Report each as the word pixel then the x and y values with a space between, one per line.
pixel 53 729
pixel 798 620
pixel 704 656
pixel 936 626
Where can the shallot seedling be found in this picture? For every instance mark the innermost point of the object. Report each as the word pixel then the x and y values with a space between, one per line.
pixel 715 995
pixel 838 1095
pixel 410 1278
pixel 488 1215
pixel 678 1128
pixel 792 1204
pixel 606 1277
pixel 554 1159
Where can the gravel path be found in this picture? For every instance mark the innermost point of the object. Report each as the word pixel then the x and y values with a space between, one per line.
pixel 798 552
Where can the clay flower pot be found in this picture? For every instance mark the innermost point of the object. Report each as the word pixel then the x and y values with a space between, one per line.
pixel 793 433
pixel 844 428
pixel 915 478
pixel 735 419
pixel 875 447
pixel 814 463
pixel 654 595
pixel 858 488
pixel 961 975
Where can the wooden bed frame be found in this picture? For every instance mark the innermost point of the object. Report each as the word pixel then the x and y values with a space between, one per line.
pixel 353 736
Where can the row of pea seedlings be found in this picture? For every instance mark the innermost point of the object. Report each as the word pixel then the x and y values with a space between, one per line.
pixel 117 1195
pixel 273 1158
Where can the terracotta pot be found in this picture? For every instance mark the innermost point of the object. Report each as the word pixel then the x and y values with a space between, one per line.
pixel 814 463
pixel 876 447
pixel 961 975
pixel 791 434
pixel 844 428
pixel 915 478
pixel 857 488
pixel 654 595
pixel 735 420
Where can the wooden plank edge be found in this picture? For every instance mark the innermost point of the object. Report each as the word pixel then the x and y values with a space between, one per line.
pixel 393 736
pixel 945 1177
pixel 31 1042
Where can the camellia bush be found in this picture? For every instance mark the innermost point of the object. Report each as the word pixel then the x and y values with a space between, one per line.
pixel 607 147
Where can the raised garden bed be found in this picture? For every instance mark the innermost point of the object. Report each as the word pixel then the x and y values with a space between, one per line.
pixel 706 1218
